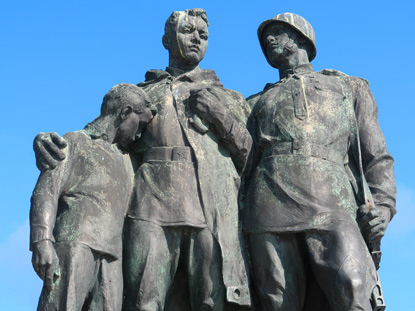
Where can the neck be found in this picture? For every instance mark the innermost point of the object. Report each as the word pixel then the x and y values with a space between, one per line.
pixel 293 60
pixel 102 128
pixel 178 64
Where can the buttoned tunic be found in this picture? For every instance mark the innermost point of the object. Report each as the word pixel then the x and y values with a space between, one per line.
pixel 197 187
pixel 306 132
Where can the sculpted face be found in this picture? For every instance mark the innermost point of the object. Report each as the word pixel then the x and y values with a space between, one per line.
pixel 132 124
pixel 279 45
pixel 191 40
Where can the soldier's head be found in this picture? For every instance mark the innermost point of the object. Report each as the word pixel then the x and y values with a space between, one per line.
pixel 186 36
pixel 126 109
pixel 284 35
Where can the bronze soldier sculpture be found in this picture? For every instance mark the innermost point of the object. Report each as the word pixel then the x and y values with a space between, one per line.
pixel 318 170
pixel 184 212
pixel 185 198
pixel 77 211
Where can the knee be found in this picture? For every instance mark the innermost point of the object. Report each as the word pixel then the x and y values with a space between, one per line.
pixel 354 283
pixel 350 278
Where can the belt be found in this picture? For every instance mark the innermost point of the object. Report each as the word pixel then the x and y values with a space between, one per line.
pixel 181 153
pixel 305 149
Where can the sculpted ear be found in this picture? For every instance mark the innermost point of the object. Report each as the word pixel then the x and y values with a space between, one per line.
pixel 125 112
pixel 165 41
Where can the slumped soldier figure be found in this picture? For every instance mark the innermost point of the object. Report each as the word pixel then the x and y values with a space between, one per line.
pixel 318 170
pixel 78 209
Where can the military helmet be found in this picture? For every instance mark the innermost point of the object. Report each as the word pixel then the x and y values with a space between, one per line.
pixel 296 22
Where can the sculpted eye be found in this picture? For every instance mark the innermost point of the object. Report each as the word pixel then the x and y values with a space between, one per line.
pixel 186 30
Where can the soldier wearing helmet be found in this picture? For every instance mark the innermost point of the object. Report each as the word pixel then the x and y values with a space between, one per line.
pixel 319 184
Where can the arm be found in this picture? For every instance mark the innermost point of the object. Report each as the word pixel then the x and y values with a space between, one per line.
pixel 226 112
pixel 376 161
pixel 44 204
pixel 255 153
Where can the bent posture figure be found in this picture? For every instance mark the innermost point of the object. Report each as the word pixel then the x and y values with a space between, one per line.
pixel 319 165
pixel 184 211
pixel 78 209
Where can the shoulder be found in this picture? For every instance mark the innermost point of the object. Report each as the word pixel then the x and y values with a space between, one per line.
pixel 76 137
pixel 76 141
pixel 208 76
pixel 350 79
pixel 253 99
pixel 153 76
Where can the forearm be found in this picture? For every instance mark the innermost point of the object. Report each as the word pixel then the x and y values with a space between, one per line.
pixel 44 204
pixel 42 218
pixel 235 137
pixel 378 164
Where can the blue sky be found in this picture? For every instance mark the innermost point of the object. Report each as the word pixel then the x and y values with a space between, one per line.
pixel 59 58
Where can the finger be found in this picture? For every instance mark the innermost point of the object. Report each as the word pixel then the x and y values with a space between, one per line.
pixel 377 233
pixel 35 267
pixel 194 91
pixel 369 220
pixel 54 150
pixel 40 271
pixel 376 237
pixel 364 223
pixel 44 157
pixel 49 277
pixel 376 212
pixel 58 140
pixel 42 165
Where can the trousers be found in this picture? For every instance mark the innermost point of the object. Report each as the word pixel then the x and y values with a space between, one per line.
pixel 88 281
pixel 152 256
pixel 336 258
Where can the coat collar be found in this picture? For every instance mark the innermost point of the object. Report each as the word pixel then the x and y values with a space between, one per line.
pixel 298 69
pixel 196 75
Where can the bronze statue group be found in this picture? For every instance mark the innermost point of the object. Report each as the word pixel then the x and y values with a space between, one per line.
pixel 182 195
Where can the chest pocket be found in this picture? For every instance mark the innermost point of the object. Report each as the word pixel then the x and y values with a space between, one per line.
pixel 321 89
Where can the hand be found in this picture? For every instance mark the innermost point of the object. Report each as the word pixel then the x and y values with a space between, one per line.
pixel 205 104
pixel 374 223
pixel 46 262
pixel 47 147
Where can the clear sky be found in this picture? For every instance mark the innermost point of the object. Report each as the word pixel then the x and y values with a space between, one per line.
pixel 59 58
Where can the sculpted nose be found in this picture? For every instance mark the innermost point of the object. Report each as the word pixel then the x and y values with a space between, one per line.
pixel 196 37
pixel 270 39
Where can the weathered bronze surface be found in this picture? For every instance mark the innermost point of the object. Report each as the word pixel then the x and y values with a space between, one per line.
pixel 319 186
pixel 316 195
pixel 77 211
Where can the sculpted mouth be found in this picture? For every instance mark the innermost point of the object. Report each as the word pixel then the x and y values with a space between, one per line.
pixel 194 48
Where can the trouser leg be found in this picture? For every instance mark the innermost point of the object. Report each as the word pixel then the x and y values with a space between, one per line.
pixel 78 272
pixel 110 284
pixel 207 290
pixel 278 271
pixel 338 259
pixel 150 261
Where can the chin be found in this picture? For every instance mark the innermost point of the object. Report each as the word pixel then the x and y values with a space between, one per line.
pixel 193 58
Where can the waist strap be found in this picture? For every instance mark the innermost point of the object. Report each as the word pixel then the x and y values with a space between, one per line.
pixel 305 149
pixel 181 153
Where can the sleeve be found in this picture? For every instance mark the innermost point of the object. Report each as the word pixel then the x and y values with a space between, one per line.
pixel 255 154
pixel 376 161
pixel 45 197
pixel 231 125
